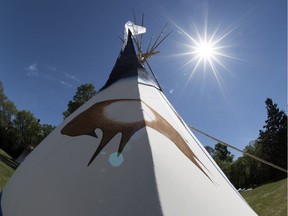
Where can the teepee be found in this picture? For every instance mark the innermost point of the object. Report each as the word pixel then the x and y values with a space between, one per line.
pixel 124 152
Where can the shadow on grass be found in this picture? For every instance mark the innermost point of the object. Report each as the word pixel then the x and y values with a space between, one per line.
pixel 9 162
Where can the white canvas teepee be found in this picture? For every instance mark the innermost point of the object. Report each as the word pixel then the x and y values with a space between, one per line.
pixel 125 152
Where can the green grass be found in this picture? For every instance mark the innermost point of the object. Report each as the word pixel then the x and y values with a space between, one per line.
pixel 269 199
pixel 7 168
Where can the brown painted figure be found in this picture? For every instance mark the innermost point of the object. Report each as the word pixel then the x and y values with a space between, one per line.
pixel 96 117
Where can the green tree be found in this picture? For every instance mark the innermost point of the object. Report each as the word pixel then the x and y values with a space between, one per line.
pixel 19 128
pixel 83 94
pixel 222 157
pixel 210 150
pixel 271 146
pixel 273 142
pixel 7 114
pixel 28 130
pixel 46 129
pixel 245 170
pixel 222 153
pixel 238 174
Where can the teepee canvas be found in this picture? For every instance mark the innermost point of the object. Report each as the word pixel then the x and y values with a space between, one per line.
pixel 124 152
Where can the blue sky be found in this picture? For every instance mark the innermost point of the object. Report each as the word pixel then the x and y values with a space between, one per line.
pixel 50 47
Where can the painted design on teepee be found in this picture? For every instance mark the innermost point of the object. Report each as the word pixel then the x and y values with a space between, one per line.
pixel 124 116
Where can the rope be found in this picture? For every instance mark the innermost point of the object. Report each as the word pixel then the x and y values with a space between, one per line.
pixel 243 152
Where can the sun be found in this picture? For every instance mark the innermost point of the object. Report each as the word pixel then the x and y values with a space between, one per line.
pixel 207 50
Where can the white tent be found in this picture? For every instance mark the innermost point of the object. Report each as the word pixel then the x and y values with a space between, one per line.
pixel 124 152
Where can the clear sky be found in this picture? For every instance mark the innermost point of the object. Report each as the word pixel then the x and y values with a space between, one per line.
pixel 50 47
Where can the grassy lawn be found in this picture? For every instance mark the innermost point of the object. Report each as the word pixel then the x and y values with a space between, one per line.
pixel 7 168
pixel 269 199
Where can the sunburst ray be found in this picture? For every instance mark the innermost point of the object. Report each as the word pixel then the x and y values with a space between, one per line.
pixel 206 49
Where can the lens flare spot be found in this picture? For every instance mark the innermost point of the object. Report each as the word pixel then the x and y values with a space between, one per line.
pixel 116 159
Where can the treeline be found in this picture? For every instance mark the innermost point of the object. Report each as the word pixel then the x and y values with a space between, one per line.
pixel 271 146
pixel 19 129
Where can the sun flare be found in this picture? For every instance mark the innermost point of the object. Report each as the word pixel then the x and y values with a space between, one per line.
pixel 204 50
pixel 207 50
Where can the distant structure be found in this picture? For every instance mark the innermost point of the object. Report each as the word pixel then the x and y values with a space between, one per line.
pixel 125 152
pixel 24 154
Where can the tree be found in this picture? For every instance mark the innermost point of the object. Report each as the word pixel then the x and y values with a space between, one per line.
pixel 83 94
pixel 271 146
pixel 7 114
pixel 19 128
pixel 210 150
pixel 245 170
pixel 222 157
pixel 238 175
pixel 28 130
pixel 273 142
pixel 46 129
pixel 222 153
